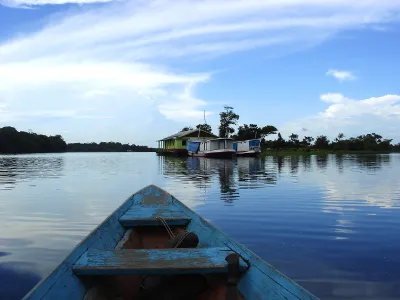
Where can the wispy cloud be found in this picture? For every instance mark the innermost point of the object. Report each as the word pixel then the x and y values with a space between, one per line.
pixel 341 75
pixel 131 49
pixel 33 3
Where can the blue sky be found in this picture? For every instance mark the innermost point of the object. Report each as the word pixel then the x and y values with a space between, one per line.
pixel 135 71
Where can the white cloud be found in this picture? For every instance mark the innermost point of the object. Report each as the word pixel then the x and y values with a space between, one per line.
pixel 341 75
pixel 352 116
pixel 30 3
pixel 125 54
pixel 95 93
pixel 387 106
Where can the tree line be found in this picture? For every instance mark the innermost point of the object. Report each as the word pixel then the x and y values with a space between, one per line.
pixel 367 142
pixel 13 141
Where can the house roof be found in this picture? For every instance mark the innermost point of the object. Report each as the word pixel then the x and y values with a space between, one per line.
pixel 185 133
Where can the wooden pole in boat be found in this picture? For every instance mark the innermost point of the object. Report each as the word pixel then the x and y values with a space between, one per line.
pixel 233 276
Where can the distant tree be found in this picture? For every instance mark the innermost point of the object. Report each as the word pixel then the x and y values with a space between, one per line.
pixel 267 130
pixel 204 127
pixel 280 142
pixel 339 137
pixel 307 140
pixel 14 141
pixel 186 128
pixel 252 131
pixel 294 139
pixel 321 142
pixel 247 132
pixel 227 119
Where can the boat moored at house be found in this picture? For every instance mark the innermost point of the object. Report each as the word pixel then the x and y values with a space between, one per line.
pixel 176 144
pixel 212 148
pixel 247 148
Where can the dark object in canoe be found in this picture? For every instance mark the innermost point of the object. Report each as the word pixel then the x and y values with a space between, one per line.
pixel 111 261
pixel 178 287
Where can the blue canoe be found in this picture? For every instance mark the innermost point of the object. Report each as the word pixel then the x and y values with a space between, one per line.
pixel 139 252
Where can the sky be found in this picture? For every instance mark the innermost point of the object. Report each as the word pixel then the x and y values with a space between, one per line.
pixel 137 71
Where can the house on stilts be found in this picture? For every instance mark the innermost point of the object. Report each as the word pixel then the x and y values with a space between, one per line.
pixel 176 144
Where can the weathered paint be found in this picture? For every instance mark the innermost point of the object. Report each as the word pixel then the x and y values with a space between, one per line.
pixel 146 216
pixel 260 281
pixel 154 261
pixel 62 283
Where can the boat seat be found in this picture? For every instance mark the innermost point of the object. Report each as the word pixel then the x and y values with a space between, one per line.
pixel 146 216
pixel 154 261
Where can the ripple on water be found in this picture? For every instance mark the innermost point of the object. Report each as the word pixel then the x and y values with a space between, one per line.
pixel 329 222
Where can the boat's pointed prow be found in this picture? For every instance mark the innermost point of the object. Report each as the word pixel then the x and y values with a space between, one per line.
pixel 152 195
pixel 155 235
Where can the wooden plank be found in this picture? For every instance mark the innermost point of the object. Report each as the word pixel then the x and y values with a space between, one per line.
pixel 146 216
pixel 154 261
pixel 62 283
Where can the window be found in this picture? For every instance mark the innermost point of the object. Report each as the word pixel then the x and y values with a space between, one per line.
pixel 184 142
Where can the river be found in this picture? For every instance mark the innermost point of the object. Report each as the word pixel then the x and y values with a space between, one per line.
pixel 329 222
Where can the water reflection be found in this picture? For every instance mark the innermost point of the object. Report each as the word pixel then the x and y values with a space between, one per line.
pixel 306 162
pixel 23 168
pixel 232 175
pixel 16 280
pixel 339 159
pixel 318 219
pixel 294 164
pixel 322 162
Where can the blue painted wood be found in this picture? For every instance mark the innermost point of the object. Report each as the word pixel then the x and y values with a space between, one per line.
pixel 62 283
pixel 154 261
pixel 146 216
pixel 260 281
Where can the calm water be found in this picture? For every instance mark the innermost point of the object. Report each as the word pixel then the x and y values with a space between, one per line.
pixel 331 223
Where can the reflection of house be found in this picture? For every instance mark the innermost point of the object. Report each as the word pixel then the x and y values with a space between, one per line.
pixel 177 143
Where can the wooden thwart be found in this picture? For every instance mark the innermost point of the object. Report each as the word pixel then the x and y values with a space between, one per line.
pixel 154 261
pixel 146 216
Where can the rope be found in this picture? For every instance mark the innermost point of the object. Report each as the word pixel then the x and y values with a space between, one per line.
pixel 171 234
pixel 162 220
pixel 181 239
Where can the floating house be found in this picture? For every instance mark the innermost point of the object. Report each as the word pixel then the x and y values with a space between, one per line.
pixel 213 148
pixel 248 147
pixel 176 144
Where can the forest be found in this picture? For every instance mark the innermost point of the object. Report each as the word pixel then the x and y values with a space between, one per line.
pixel 13 141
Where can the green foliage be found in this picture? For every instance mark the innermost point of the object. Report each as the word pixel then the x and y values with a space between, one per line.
pixel 321 142
pixel 294 140
pixel 13 142
pixel 204 127
pixel 247 132
pixel 252 131
pixel 368 142
pixel 227 119
pixel 267 130
pixel 307 141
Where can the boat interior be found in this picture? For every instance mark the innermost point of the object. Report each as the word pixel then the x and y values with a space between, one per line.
pixel 133 287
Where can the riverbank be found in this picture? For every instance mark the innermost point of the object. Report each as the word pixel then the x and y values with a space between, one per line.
pixel 295 152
